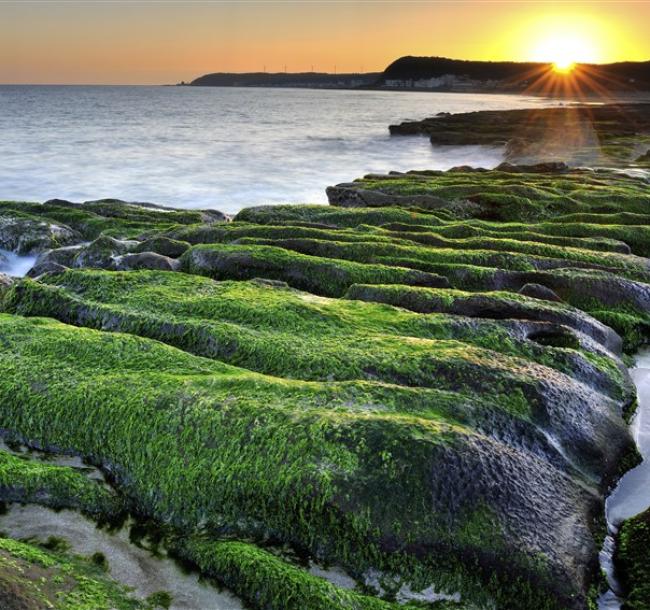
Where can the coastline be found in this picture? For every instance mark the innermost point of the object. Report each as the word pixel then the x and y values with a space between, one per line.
pixel 255 384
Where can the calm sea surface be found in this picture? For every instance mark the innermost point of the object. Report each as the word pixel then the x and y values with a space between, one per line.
pixel 216 147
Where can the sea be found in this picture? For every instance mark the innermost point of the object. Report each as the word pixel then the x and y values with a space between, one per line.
pixel 213 147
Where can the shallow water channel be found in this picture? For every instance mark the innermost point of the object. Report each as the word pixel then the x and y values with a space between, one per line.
pixel 632 494
pixel 129 564
pixel 13 264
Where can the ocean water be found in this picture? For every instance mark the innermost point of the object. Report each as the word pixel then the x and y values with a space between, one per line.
pixel 225 148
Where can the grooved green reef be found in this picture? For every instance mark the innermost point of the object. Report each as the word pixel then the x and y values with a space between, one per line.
pixel 422 385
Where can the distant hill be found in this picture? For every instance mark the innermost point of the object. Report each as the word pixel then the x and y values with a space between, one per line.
pixel 444 74
pixel 284 79
pixel 415 68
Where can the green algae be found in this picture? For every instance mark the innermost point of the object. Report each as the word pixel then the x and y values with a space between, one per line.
pixel 505 196
pixel 330 268
pixel 187 435
pixel 269 582
pixel 283 332
pixel 633 561
pixel 320 275
pixel 342 399
pixel 31 481
pixel 33 578
pixel 109 217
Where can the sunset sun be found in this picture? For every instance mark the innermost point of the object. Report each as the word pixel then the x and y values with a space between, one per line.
pixel 565 41
pixel 564 65
pixel 565 50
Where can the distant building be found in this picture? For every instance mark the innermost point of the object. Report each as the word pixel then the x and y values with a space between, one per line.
pixel 447 82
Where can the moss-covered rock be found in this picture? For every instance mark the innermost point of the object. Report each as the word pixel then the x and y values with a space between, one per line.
pixel 192 423
pixel 267 581
pixel 26 235
pixel 35 482
pixel 633 561
pixel 317 274
pixel 501 194
pixel 456 345
pixel 33 578
pixel 35 227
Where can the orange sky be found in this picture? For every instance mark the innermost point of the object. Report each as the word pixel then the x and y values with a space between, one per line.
pixel 164 42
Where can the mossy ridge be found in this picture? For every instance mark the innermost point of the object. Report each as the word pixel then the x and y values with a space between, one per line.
pixel 494 255
pixel 110 217
pixel 282 309
pixel 320 275
pixel 33 578
pixel 480 229
pixel 266 580
pixel 630 229
pixel 592 290
pixel 226 233
pixel 332 217
pixel 423 245
pixel 282 332
pixel 500 195
pixel 632 560
pixel 30 481
pixel 185 438
pixel 637 237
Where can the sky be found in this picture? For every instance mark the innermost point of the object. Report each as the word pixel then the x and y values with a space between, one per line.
pixel 166 41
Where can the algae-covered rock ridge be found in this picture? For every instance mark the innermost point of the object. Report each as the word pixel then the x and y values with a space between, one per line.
pixel 423 385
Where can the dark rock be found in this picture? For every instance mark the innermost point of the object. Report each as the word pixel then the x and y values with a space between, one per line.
pixel 28 236
pixel 165 246
pixel 15 596
pixel 102 252
pixel 537 291
pixel 213 216
pixel 577 134
pixel 146 260
pixel 60 256
pixel 549 167
pixel 45 267
pixel 6 282
pixel 352 196
pixel 645 158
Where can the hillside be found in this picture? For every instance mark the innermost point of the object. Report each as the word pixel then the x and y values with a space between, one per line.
pixel 444 74
pixel 284 79
pixel 441 72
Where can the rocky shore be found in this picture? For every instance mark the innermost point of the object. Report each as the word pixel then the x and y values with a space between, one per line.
pixel 609 134
pixel 424 384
